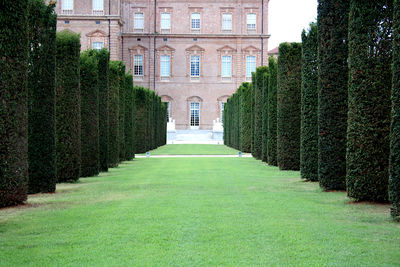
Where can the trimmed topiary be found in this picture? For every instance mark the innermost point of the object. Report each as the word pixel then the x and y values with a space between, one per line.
pixel 113 114
pixel 14 106
pixel 41 102
pixel 264 105
pixel 272 109
pixel 245 118
pixel 370 76
pixel 289 106
pixel 103 84
pixel 140 122
pixel 89 114
pixel 253 110
pixel 68 107
pixel 394 179
pixel 332 87
pixel 129 142
pixel 309 105
pixel 121 112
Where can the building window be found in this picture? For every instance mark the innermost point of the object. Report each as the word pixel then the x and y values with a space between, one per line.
pixel 195 66
pixel 98 7
pixel 226 66
pixel 165 66
pixel 139 21
pixel 165 21
pixel 194 114
pixel 138 65
pixel 195 21
pixel 222 111
pixel 250 65
pixel 168 111
pixel 227 22
pixel 251 21
pixel 67 7
pixel 97 45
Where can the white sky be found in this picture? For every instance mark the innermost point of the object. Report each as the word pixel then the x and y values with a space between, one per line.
pixel 288 18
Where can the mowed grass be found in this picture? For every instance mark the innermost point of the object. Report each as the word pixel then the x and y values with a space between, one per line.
pixel 195 149
pixel 197 212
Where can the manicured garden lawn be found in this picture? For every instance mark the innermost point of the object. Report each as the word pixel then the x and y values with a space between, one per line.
pixel 194 150
pixel 197 212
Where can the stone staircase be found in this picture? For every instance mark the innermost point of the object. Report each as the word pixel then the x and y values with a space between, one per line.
pixel 194 137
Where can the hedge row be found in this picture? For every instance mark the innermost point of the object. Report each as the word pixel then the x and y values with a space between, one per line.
pixel 149 120
pixel 41 99
pixel 68 107
pixel 272 109
pixel 394 179
pixel 129 137
pixel 14 106
pixel 289 106
pixel 89 77
pixel 309 105
pixel 370 59
pixel 332 87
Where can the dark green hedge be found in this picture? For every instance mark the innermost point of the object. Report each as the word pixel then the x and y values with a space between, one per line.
pixel 150 125
pixel 13 108
pixel 370 59
pixel 68 107
pixel 245 118
pixel 309 105
pixel 129 142
pixel 259 83
pixel 113 113
pixel 253 120
pixel 140 122
pixel 394 179
pixel 122 112
pixel 104 87
pixel 272 109
pixel 89 113
pixel 41 102
pixel 289 106
pixel 332 86
pixel 264 107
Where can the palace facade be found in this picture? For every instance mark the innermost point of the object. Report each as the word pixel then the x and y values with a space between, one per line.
pixel 193 53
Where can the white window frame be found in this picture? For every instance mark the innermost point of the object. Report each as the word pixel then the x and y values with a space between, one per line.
pixel 194 110
pixel 226 66
pixel 227 21
pixel 138 21
pixel 138 61
pixel 195 20
pixel 98 7
pixel 165 66
pixel 67 7
pixel 165 21
pixel 249 65
pixel 195 60
pixel 251 21
pixel 97 45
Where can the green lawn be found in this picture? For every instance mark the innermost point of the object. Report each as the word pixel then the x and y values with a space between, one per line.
pixel 197 212
pixel 194 150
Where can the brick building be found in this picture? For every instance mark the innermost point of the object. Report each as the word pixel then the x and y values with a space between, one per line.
pixel 193 53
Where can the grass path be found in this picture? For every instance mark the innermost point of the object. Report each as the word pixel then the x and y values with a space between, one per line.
pixel 197 212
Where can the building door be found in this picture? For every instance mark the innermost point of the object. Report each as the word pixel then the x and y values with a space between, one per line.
pixel 194 115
